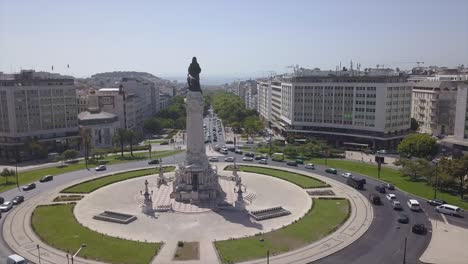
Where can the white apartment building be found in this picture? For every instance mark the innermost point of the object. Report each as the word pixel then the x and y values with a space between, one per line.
pixel 250 99
pixel 346 110
pixel 40 108
pixel 433 106
pixel 147 96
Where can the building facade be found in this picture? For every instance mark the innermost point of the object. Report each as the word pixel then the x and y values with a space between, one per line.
pixel 433 106
pixel 36 108
pixel 367 110
pixel 264 99
pixel 101 125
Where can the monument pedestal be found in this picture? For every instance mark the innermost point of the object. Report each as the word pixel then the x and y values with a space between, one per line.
pixel 195 180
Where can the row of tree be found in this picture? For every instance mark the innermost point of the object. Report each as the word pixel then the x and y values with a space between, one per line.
pixel 174 116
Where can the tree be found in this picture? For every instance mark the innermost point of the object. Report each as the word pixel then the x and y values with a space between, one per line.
pixel 120 137
pixel 417 169
pixel 414 125
pixel 7 173
pixel 418 145
pixel 70 154
pixel 456 169
pixel 152 125
pixel 99 154
pixel 130 137
pixel 290 151
pixel 252 125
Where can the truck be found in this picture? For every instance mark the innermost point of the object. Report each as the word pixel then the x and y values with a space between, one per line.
pixel 356 183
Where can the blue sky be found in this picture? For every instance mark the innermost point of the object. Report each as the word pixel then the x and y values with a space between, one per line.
pixel 230 38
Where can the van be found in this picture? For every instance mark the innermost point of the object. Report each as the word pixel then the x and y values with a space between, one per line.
pixel 449 209
pixel 16 259
pixel 355 182
pixel 413 205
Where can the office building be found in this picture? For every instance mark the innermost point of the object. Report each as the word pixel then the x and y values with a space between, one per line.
pixel 101 125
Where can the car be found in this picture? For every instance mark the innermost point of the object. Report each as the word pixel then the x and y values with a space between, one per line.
pixel 331 170
pixel 263 161
pixel 223 151
pixel 419 229
pixel 238 151
pixel 233 149
pixel 449 209
pixel 413 205
pixel 309 166
pixel 299 161
pixel 249 154
pixel 215 140
pixel 258 157
pixel 18 199
pixel 28 187
pixel 396 205
pixel 404 219
pixel 155 161
pixel 247 159
pixel 347 175
pixel 2 200
pixel 229 142
pixel 101 168
pixel 16 259
pixel 291 163
pixel 229 159
pixel 382 151
pixel 436 202
pixel 374 198
pixel 46 178
pixel 6 206
pixel 388 186
pixel 390 196
pixel 214 159
pixel 380 189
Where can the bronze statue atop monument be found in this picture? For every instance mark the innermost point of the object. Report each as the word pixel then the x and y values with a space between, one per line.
pixel 193 76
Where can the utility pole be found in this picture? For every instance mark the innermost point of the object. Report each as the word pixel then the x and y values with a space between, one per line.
pixel 404 252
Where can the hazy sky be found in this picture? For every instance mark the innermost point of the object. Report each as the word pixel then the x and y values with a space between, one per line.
pixel 230 38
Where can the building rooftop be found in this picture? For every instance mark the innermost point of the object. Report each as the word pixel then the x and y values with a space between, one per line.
pixel 95 115
pixel 109 89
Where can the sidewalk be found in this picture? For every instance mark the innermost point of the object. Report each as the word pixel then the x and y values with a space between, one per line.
pixel 448 244
pixel 369 158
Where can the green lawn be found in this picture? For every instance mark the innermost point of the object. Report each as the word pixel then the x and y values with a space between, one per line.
pixel 34 175
pixel 56 225
pixel 324 217
pixel 401 181
pixel 302 180
pixel 92 185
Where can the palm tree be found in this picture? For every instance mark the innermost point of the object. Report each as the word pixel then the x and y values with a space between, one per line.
pixel 130 137
pixel 120 137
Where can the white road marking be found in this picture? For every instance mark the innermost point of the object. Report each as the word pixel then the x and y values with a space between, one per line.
pixel 445 219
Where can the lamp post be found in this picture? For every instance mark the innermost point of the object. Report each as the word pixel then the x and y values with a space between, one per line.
pixel 404 252
pixel 78 251
pixel 436 162
pixel 39 253
pixel 16 167
pixel 268 256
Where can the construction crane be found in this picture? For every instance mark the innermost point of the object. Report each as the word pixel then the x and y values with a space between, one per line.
pixel 294 67
pixel 419 63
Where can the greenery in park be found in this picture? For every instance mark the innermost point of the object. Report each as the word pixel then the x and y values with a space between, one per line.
pixel 230 108
pixel 70 154
pixel 94 184
pixel 34 175
pixel 325 217
pixel 7 173
pixel 422 187
pixel 418 145
pixel 301 180
pixel 56 225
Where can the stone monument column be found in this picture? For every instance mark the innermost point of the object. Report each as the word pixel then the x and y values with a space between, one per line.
pixel 196 152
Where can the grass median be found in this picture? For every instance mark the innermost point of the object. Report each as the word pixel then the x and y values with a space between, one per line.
pixel 325 216
pixel 56 226
pixel 301 180
pixel 34 175
pixel 94 184
pixel 395 177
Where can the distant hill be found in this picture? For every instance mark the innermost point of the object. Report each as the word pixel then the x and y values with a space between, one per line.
pixel 125 74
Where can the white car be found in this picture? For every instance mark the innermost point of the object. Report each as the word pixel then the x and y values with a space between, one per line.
pixel 6 206
pixel 214 159
pixel 223 151
pixel 347 175
pixel 309 166
pixel 101 168
pixel 263 161
pixel 229 159
pixel 413 205
pixel 391 196
pixel 247 159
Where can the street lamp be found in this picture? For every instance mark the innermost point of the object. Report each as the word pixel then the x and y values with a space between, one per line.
pixel 39 253
pixel 436 162
pixel 78 251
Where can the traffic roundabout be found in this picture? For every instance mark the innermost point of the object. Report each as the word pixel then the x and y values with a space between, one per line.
pixel 216 231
